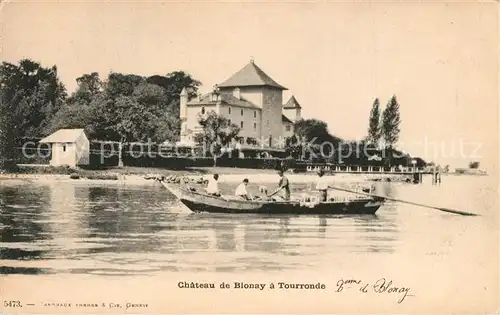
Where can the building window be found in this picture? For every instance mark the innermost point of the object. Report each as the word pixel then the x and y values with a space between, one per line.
pixel 229 110
pixel 287 128
pixel 254 126
pixel 64 148
pixel 203 110
pixel 242 112
pixel 254 114
pixel 241 124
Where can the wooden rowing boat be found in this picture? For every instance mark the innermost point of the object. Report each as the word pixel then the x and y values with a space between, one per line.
pixel 200 202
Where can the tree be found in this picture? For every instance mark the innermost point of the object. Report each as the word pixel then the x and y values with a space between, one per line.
pixel 315 133
pixel 89 86
pixel 217 133
pixel 138 116
pixel 174 82
pixel 39 95
pixel 7 126
pixel 293 147
pixel 374 128
pixel 81 109
pixel 119 84
pixel 390 124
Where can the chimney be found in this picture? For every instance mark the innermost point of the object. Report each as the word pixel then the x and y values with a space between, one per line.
pixel 236 93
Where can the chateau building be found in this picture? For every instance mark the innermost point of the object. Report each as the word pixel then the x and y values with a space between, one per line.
pixel 252 100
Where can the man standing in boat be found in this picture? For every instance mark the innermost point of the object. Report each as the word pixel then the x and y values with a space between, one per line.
pixel 283 185
pixel 241 190
pixel 213 186
pixel 322 186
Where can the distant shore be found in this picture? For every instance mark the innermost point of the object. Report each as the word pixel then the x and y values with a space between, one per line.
pixel 138 175
pixel 132 176
pixel 142 180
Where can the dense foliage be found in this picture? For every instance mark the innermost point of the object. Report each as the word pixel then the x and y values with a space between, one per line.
pixel 374 127
pixel 128 108
pixel 390 122
pixel 217 133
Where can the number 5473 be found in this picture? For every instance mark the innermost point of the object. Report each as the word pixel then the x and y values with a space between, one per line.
pixel 12 304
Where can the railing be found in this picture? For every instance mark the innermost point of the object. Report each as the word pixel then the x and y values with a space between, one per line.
pixel 365 169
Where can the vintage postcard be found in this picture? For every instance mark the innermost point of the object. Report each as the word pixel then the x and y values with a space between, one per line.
pixel 253 157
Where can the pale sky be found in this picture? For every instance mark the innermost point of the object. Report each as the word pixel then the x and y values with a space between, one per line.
pixel 440 59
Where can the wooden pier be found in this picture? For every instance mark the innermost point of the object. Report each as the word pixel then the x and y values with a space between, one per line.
pixel 354 169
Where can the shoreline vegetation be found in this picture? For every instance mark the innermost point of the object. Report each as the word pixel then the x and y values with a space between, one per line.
pixel 144 175
pixel 122 114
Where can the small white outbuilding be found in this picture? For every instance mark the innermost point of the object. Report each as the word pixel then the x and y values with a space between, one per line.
pixel 69 147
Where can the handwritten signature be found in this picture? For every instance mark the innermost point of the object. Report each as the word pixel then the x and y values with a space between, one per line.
pixel 381 286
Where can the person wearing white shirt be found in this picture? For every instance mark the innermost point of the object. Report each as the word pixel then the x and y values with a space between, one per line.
pixel 213 186
pixel 241 190
pixel 322 186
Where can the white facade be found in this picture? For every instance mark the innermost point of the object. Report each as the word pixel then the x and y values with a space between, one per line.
pixel 69 147
pixel 287 129
pixel 249 99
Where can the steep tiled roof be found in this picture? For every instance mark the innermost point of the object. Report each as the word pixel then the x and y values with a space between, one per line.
pixel 292 103
pixel 63 136
pixel 251 75
pixel 227 99
pixel 285 119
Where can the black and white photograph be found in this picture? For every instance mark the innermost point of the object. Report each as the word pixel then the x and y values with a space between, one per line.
pixel 249 157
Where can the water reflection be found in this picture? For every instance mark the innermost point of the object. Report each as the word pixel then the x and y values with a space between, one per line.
pixel 73 228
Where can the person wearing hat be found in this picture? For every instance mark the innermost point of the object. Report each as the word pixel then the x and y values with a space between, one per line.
pixel 322 185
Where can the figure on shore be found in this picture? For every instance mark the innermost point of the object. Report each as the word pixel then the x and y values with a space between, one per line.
pixel 213 186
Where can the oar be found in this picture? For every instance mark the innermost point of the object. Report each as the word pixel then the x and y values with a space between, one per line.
pixel 274 193
pixel 408 202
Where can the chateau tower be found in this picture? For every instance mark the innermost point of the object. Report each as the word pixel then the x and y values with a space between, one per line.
pixel 293 109
pixel 255 86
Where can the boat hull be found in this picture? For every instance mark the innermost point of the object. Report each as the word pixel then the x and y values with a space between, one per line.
pixel 197 202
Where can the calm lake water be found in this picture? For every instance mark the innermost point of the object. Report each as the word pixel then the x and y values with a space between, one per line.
pixel 115 229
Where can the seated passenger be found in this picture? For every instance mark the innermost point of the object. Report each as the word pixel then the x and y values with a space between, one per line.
pixel 241 190
pixel 213 186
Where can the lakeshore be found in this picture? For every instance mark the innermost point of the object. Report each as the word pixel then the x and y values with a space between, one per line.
pixel 229 175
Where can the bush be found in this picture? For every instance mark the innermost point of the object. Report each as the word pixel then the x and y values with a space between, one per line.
pixel 62 170
pixel 74 176
pixel 102 176
pixel 98 176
